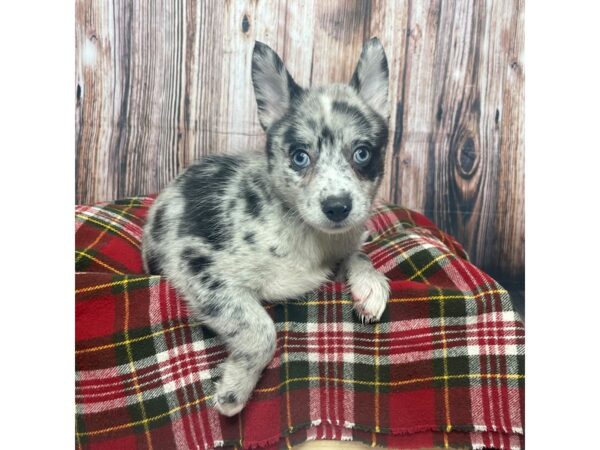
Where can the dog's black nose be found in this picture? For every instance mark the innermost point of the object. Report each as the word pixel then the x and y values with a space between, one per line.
pixel 337 208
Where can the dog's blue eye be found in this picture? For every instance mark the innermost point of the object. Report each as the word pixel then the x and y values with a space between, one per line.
pixel 300 159
pixel 362 155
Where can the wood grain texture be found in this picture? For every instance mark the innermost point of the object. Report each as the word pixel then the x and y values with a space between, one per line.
pixel 161 83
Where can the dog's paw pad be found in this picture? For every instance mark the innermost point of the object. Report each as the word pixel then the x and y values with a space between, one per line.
pixel 227 403
pixel 370 291
pixel 229 397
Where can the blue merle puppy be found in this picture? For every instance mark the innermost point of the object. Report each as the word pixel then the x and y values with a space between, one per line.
pixel 234 230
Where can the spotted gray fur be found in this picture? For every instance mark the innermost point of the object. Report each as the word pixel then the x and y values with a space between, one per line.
pixel 234 230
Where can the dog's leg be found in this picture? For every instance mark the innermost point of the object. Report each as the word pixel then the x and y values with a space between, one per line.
pixel 239 319
pixel 370 288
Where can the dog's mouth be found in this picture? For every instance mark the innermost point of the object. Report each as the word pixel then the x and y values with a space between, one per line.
pixel 331 227
pixel 325 225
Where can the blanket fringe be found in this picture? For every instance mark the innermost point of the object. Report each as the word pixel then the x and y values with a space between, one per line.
pixel 393 432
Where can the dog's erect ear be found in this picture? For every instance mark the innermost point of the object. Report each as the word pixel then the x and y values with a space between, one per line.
pixel 370 78
pixel 274 88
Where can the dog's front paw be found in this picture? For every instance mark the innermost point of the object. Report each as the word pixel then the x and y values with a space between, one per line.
pixel 227 402
pixel 371 291
pixel 234 388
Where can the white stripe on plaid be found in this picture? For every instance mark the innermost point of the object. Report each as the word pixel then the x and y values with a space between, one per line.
pixel 112 218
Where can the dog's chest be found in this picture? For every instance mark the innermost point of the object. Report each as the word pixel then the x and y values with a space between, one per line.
pixel 288 279
pixel 296 261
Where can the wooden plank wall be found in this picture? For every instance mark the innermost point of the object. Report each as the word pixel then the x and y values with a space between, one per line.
pixel 160 83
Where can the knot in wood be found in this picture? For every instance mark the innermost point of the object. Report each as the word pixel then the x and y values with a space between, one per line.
pixel 245 24
pixel 467 158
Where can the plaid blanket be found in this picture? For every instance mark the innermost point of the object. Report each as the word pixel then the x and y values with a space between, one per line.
pixel 444 367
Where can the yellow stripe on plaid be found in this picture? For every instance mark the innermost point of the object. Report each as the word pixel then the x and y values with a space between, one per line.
pixel 106 228
pixel 441 297
pixel 402 253
pixel 393 383
pixel 130 341
pixel 146 421
pixel 322 302
pixel 428 265
pixel 378 234
pixel 114 283
pixel 342 380
pixel 329 302
pixel 96 260
pixel 123 212
pixel 445 364
pixel 133 370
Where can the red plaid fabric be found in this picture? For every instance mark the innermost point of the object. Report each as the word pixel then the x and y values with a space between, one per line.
pixel 444 367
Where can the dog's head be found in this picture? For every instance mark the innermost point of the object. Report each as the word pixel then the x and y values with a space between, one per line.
pixel 325 145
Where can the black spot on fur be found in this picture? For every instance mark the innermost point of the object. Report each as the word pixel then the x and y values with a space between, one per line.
pixel 203 187
pixel 249 238
pixel 238 314
pixel 353 113
pixel 196 263
pixel 292 139
pixel 212 308
pixel 326 137
pixel 232 333
pixel 262 186
pixel 215 284
pixel 270 150
pixel 273 251
pixel 253 201
pixel 158 225
pixel 205 278
pixel 326 134
pixel 312 124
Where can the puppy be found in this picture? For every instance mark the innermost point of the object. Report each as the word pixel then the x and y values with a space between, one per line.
pixel 232 231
